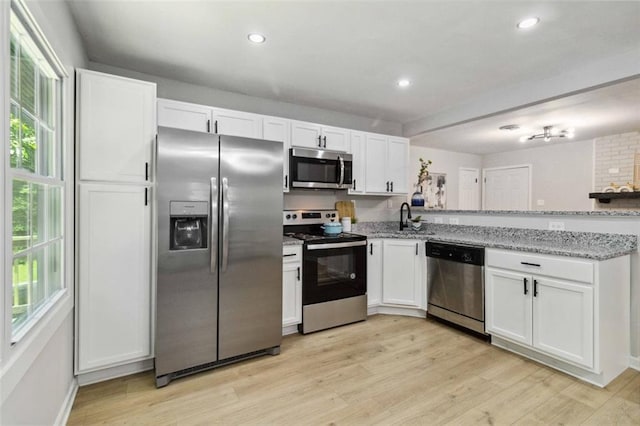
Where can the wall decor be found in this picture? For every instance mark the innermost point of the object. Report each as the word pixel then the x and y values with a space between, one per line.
pixel 436 191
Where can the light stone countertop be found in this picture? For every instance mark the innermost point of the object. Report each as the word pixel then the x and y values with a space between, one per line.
pixel 605 213
pixel 288 241
pixel 588 245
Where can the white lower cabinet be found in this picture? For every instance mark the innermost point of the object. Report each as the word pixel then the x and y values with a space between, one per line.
pixel 114 286
pixel 570 313
pixel 291 285
pixel 374 273
pixel 402 276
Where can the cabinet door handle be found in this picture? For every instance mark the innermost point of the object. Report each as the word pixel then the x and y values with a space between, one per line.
pixel 319 141
pixel 298 273
pixel 216 126
pixel 524 281
pixel 325 141
pixel 286 181
pixel 537 265
pixel 391 186
pixel 289 255
pixel 371 249
pixel 417 248
pixel 354 184
pixel 208 126
pixel 535 288
pixel 387 186
pixel 146 196
pixel 146 171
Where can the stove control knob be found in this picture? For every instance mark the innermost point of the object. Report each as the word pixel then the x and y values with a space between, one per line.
pixel 295 216
pixel 288 216
pixel 328 215
pixel 333 215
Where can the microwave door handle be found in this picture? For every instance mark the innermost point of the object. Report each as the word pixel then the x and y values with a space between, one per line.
pixel 225 224
pixel 341 181
pixel 213 224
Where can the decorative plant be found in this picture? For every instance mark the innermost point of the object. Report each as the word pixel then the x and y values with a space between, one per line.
pixel 354 220
pixel 424 171
pixel 416 219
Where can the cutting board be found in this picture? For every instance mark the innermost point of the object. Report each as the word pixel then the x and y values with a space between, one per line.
pixel 346 209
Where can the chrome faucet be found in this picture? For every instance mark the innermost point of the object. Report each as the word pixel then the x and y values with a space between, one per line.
pixel 405 224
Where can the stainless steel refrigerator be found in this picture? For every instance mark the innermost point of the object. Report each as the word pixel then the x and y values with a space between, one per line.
pixel 219 281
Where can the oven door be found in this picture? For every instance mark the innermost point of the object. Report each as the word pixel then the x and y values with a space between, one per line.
pixel 310 168
pixel 334 271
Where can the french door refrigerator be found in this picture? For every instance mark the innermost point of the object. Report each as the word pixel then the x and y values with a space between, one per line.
pixel 219 280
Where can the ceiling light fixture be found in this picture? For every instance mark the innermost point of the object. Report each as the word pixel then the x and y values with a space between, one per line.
pixel 527 23
pixel 404 83
pixel 550 132
pixel 256 38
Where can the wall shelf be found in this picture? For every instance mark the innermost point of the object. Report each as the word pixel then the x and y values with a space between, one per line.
pixel 606 197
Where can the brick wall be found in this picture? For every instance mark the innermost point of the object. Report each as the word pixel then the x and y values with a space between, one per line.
pixel 616 152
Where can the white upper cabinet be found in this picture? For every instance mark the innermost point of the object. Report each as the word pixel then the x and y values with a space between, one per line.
pixel 183 115
pixel 359 162
pixel 316 136
pixel 397 164
pixel 116 127
pixel 376 180
pixel 279 129
pixel 201 118
pixel 236 123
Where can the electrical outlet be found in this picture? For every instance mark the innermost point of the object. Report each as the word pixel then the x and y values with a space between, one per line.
pixel 540 202
pixel 437 220
pixel 614 171
pixel 454 221
pixel 556 226
pixel 389 203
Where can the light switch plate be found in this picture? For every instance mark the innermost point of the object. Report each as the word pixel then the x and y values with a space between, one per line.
pixel 437 220
pixel 540 202
pixel 556 226
pixel 454 221
pixel 614 171
pixel 389 204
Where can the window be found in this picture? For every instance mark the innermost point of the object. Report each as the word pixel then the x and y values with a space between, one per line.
pixel 36 176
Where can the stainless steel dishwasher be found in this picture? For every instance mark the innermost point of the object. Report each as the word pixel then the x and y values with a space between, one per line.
pixel 455 284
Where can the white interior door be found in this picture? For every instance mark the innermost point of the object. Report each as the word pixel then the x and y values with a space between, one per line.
pixel 469 189
pixel 507 188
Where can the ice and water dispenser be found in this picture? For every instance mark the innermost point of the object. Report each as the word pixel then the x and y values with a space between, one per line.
pixel 188 222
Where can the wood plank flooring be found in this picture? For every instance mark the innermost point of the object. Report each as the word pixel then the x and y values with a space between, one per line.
pixel 387 370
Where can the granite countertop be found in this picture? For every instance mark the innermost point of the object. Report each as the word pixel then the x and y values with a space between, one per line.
pixel 588 245
pixel 605 213
pixel 288 241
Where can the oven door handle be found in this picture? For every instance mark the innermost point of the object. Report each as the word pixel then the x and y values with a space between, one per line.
pixel 341 180
pixel 336 245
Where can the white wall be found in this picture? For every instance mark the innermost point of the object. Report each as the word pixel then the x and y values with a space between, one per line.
pixel 181 91
pixel 37 373
pixel 448 162
pixel 562 174
pixel 368 208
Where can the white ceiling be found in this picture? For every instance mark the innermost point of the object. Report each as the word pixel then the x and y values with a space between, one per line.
pixel 605 111
pixel 347 55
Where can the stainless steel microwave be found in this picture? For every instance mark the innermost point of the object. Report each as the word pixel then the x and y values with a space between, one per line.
pixel 320 169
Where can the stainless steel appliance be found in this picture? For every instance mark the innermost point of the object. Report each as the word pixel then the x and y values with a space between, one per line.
pixel 455 283
pixel 334 271
pixel 320 169
pixel 219 284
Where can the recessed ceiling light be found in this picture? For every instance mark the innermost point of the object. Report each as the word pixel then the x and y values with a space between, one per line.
pixel 527 23
pixel 256 38
pixel 509 127
pixel 403 83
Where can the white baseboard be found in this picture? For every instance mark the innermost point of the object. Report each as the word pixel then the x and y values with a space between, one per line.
pixel 634 362
pixel 115 372
pixel 289 329
pixel 65 410
pixel 397 310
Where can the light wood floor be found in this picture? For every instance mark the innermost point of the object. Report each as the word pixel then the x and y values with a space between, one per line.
pixel 387 370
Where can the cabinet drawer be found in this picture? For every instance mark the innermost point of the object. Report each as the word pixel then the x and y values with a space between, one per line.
pixel 552 266
pixel 291 254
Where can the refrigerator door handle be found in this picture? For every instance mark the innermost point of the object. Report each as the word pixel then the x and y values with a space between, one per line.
pixel 341 181
pixel 225 224
pixel 213 225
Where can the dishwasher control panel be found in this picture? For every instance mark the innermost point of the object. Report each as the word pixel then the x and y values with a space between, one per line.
pixel 460 253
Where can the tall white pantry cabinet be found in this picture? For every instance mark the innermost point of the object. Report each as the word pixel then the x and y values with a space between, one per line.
pixel 115 134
